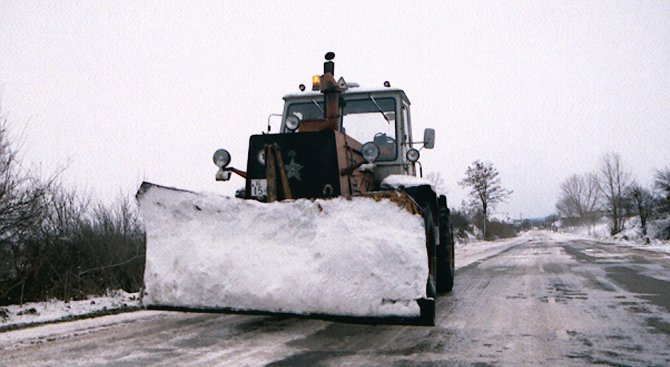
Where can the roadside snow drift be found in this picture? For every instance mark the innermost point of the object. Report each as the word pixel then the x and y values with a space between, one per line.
pixel 336 257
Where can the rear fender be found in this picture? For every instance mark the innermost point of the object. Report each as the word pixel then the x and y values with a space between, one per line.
pixel 426 199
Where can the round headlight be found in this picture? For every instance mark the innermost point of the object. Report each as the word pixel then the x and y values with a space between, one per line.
pixel 412 155
pixel 292 122
pixel 221 158
pixel 370 152
pixel 260 157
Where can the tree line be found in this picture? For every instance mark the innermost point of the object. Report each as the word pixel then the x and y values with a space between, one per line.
pixel 56 242
pixel 612 191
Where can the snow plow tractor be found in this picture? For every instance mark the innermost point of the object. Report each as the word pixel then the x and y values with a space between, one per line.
pixel 333 222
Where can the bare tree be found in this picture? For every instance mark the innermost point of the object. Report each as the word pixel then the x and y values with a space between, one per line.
pixel 437 182
pixel 485 189
pixel 21 208
pixel 643 203
pixel 613 182
pixel 578 201
pixel 20 194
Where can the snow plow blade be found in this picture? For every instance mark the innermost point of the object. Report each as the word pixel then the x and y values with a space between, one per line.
pixel 357 260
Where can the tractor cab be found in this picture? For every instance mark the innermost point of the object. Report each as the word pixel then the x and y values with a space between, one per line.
pixel 379 119
pixel 335 140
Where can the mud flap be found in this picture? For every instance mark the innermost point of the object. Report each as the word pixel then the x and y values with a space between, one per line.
pixel 427 306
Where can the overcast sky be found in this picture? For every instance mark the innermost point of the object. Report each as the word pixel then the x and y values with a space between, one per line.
pixel 126 91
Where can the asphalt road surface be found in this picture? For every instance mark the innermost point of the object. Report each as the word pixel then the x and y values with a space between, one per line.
pixel 542 300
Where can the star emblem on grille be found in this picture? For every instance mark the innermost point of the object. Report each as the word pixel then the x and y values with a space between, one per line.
pixel 293 169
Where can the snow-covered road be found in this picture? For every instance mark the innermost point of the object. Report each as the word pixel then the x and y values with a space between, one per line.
pixel 541 299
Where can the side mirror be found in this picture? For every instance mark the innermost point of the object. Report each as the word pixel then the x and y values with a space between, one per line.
pixel 429 138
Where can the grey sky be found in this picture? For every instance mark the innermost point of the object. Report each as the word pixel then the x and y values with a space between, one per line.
pixel 129 91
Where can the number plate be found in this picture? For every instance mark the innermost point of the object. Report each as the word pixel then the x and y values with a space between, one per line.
pixel 259 188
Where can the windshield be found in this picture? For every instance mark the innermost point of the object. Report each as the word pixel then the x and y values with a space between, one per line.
pixel 364 119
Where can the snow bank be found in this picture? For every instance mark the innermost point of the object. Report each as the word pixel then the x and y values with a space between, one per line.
pixel 631 234
pixel 398 181
pixel 339 257
pixel 56 310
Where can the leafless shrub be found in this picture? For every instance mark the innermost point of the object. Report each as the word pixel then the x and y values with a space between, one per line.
pixel 55 243
pixel 643 203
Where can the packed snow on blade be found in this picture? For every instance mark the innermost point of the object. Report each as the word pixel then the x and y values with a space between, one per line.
pixel 356 257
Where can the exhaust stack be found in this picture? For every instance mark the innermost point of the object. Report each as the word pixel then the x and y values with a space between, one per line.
pixel 331 92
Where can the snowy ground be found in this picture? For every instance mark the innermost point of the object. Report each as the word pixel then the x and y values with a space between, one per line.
pixel 542 299
pixel 470 252
pixel 630 236
pixel 15 316
pixel 43 312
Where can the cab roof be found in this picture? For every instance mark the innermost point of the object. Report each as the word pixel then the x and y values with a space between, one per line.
pixel 309 94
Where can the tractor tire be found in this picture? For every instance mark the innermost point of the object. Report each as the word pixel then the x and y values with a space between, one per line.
pixel 431 286
pixel 445 251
